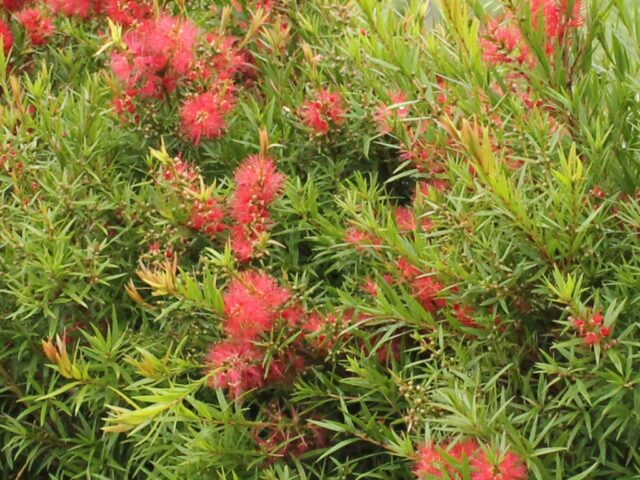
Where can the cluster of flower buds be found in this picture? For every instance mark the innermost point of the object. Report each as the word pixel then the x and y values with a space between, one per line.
pixel 288 434
pixel 592 329
pixel 323 112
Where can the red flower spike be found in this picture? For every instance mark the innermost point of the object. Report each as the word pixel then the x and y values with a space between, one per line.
pixel 510 467
pixel 252 305
pixel 325 111
pixel 385 115
pixel 258 184
pixel 37 26
pixel 203 116
pixel 81 9
pixel 128 12
pixel 236 366
pixel 7 37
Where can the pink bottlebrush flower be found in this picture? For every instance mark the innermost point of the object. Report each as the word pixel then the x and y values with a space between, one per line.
pixel 432 464
pixel 510 467
pixel 386 114
pixel 427 290
pixel 14 5
pixel 128 12
pixel 183 35
pixel 464 315
pixel 295 315
pixel 429 463
pixel 243 243
pixel 258 183
pixel 361 239
pixel 159 53
pixel 252 305
pixel 225 59
pixel 321 330
pixel 408 271
pixel 236 366
pixel 405 219
pixel 407 222
pixel 6 35
pixel 203 116
pixel 207 217
pixel 464 450
pixel 556 19
pixel 323 112
pixel 82 9
pixel 370 286
pixel 503 43
pixel 38 27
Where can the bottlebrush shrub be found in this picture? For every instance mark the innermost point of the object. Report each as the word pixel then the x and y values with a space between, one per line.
pixel 369 240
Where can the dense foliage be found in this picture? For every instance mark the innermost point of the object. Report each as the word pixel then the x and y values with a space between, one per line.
pixel 327 239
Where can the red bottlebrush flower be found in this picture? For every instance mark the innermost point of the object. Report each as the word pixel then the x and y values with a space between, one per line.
pixel 37 26
pixel 504 44
pixel 429 463
pixel 243 243
pixel 128 12
pixel 432 464
pixel 226 60
pixel 258 184
pixel 207 217
pixel 464 450
pixel 370 286
pixel 405 219
pixel 14 5
pixel 203 116
pixel 180 37
pixel 463 314
pixel 325 111
pixel 6 35
pixel 510 467
pixel 408 271
pixel 386 114
pixel 407 222
pixel 361 239
pixel 124 105
pixel 427 289
pixel 73 8
pixel 556 19
pixel 252 305
pixel 236 366
pixel 159 52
